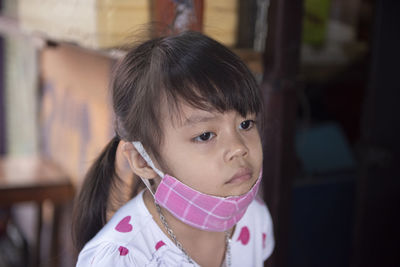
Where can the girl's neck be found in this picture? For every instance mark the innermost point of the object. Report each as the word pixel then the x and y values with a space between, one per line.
pixel 204 247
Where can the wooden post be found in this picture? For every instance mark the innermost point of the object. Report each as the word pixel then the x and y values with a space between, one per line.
pixel 2 100
pixel 377 218
pixel 281 60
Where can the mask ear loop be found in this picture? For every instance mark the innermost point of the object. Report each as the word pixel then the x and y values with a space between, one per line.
pixel 139 147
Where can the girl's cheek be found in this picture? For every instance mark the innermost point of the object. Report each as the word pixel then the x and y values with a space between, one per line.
pixel 256 146
pixel 205 147
pixel 254 138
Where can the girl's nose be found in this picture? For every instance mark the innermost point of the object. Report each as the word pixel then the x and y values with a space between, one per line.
pixel 236 148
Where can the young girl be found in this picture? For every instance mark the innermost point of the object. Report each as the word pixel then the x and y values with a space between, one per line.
pixel 186 113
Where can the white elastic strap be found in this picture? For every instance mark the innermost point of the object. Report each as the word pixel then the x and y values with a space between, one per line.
pixel 148 185
pixel 139 147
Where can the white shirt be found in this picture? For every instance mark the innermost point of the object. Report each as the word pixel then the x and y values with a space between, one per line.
pixel 132 238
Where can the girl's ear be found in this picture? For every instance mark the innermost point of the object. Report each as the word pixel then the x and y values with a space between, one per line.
pixel 138 165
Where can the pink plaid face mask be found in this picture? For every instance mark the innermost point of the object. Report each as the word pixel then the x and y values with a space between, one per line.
pixel 202 211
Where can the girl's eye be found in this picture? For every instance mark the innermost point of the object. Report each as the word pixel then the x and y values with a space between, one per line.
pixel 204 137
pixel 246 125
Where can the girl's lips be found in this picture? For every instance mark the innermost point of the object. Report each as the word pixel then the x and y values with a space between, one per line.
pixel 241 175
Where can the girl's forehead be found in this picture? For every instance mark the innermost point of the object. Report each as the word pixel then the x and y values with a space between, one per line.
pixel 184 114
pixel 187 116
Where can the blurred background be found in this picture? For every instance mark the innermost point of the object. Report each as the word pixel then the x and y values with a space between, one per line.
pixel 329 73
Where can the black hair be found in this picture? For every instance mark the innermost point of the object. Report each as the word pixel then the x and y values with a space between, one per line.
pixel 188 67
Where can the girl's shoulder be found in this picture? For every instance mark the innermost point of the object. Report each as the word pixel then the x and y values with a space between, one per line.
pixel 258 215
pixel 259 210
pixel 131 238
pixel 124 233
pixel 253 235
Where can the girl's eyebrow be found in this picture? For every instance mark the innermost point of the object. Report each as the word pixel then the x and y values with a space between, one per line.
pixel 196 118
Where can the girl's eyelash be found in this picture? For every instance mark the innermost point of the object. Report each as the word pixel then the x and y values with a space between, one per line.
pixel 207 136
pixel 252 124
pixel 204 137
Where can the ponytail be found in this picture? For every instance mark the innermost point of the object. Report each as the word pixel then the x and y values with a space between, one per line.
pixel 90 211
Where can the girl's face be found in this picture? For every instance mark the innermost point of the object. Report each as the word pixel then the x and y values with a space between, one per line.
pixel 215 153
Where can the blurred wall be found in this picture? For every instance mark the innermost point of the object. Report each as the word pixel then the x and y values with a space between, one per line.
pixel 75 117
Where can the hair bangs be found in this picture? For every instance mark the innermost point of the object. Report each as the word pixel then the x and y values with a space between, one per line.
pixel 206 75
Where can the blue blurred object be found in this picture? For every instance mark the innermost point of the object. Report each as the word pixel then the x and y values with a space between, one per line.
pixel 324 149
pixel 322 215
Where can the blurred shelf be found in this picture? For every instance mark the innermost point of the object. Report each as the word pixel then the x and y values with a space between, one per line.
pixel 10 27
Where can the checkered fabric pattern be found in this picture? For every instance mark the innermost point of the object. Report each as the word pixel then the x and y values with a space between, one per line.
pixel 200 210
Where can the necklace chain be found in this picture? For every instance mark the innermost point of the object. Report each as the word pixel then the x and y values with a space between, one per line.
pixel 179 245
pixel 171 233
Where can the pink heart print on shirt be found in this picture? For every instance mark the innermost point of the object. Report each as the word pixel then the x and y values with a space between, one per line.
pixel 244 235
pixel 264 238
pixel 159 244
pixel 123 251
pixel 124 226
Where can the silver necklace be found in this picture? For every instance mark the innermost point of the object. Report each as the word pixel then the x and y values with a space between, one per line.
pixel 179 245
